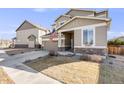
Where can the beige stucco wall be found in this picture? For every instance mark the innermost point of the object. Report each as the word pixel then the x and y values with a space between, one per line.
pixel 78 22
pixel 40 34
pixel 81 13
pixel 22 36
pixel 62 18
pixel 101 36
pixel 50 45
pixel 77 37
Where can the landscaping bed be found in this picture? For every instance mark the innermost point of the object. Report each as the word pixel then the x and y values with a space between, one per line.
pixel 16 51
pixel 4 78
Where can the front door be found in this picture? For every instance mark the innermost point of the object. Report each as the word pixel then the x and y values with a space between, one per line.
pixel 31 44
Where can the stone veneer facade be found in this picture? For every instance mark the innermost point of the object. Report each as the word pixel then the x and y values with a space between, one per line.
pixel 63 48
pixel 98 51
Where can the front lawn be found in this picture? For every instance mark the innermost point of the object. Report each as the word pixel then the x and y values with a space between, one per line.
pixel 67 69
pixel 71 70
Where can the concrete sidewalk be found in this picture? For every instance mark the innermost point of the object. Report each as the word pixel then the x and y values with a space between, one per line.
pixel 22 74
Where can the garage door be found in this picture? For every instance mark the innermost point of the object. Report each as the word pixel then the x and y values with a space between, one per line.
pixel 51 45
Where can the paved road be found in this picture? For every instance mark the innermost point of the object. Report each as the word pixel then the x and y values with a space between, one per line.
pixel 22 74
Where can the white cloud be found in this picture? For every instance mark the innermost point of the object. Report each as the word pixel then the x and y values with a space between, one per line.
pixel 122 33
pixel 114 34
pixel 40 10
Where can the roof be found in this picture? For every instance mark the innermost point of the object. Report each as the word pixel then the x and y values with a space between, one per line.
pixel 35 25
pixel 84 17
pixel 102 11
pixel 53 24
pixel 79 10
pixel 66 14
pixel 63 15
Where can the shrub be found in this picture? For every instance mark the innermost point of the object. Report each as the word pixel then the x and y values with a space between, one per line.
pixel 53 53
pixel 94 58
pixel 116 42
pixel 110 42
pixel 84 57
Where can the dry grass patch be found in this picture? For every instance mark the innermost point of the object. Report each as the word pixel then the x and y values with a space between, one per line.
pixel 67 69
pixel 4 78
pixel 72 70
pixel 112 73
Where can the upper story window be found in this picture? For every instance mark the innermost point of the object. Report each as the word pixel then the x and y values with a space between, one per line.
pixel 88 36
pixel 61 23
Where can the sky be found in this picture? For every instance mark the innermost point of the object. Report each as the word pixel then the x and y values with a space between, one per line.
pixel 11 18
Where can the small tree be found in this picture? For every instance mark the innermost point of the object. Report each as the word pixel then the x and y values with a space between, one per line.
pixel 111 42
pixel 116 42
pixel 122 43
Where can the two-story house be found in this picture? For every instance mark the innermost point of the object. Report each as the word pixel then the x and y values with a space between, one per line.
pixel 83 31
pixel 28 35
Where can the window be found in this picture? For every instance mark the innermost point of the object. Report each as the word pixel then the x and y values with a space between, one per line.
pixel 61 23
pixel 88 36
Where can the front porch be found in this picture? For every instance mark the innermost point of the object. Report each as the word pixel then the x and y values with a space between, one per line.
pixel 66 41
pixel 73 41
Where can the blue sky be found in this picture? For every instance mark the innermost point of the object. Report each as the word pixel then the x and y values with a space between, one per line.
pixel 11 18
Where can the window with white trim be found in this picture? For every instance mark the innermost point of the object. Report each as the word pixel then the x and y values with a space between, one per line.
pixel 88 36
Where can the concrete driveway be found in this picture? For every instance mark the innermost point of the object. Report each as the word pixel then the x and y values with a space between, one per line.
pixel 22 74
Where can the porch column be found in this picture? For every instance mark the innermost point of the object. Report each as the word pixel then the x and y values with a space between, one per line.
pixel 59 39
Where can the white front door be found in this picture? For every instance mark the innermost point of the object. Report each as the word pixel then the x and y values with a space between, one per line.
pixel 31 44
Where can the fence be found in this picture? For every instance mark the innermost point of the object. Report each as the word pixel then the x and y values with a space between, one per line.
pixel 117 50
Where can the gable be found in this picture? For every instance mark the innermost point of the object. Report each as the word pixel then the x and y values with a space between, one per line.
pixel 25 25
pixel 62 18
pixel 80 13
pixel 79 22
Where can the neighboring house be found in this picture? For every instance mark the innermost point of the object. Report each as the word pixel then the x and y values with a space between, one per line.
pixel 5 43
pixel 120 38
pixel 83 31
pixel 28 35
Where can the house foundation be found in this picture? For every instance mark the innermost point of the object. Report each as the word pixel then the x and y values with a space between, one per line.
pixel 96 51
pixel 26 46
pixel 63 48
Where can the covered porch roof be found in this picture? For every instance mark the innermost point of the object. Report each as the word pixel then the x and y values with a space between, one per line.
pixel 80 21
